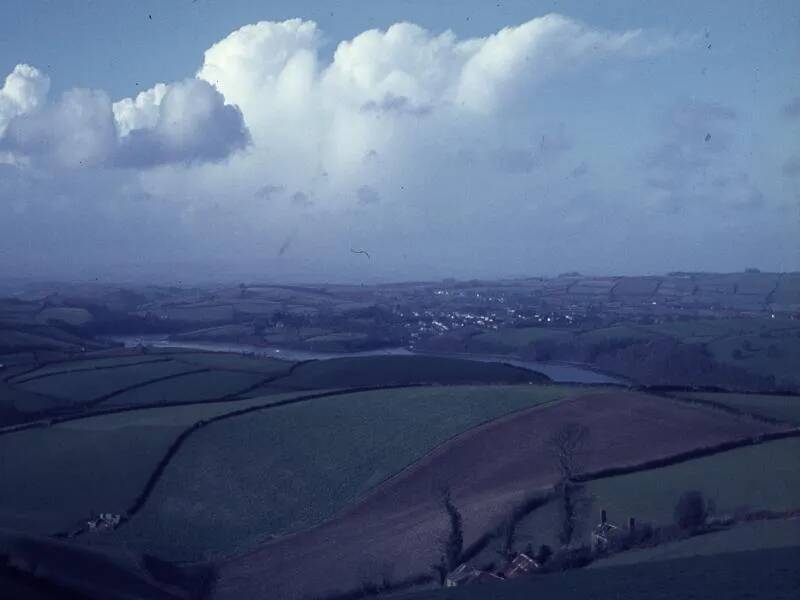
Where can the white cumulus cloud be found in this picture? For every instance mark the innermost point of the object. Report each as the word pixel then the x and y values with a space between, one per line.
pixel 25 90
pixel 182 122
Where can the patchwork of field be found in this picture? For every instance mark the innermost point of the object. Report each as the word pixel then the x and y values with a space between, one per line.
pixel 784 408
pixel 293 479
pixel 490 469
pixel 66 473
pixel 128 379
pixel 189 387
pixel 237 481
pixel 84 387
pixel 172 376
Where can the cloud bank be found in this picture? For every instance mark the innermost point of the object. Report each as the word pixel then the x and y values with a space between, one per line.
pixel 184 122
pixel 440 155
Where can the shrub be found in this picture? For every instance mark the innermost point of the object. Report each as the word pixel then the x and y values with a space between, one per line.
pixel 544 554
pixel 691 510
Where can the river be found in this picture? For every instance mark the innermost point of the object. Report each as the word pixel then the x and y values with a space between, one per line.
pixel 558 372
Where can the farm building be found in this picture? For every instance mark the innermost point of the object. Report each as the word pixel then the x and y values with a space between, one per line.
pixel 466 575
pixel 521 565
pixel 104 522
pixel 606 532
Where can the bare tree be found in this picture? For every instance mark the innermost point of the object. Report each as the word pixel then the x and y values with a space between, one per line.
pixel 567 446
pixel 452 546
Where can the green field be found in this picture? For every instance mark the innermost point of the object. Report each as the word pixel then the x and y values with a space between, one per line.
pixel 766 476
pixel 401 370
pixel 16 341
pixel 66 384
pixel 237 362
pixel 192 387
pixel 52 477
pixel 772 574
pixel 21 401
pixel 756 535
pixel 80 387
pixel 82 364
pixel 776 355
pixel 284 469
pixel 785 408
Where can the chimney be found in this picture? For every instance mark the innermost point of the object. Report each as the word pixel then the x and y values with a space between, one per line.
pixel 631 524
pixel 603 516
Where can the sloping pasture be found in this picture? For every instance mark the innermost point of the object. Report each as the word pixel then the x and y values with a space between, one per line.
pixel 280 470
pixel 54 477
pixel 760 477
pixel 490 469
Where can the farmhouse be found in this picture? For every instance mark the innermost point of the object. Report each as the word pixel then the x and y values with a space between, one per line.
pixel 104 522
pixel 466 575
pixel 606 532
pixel 521 565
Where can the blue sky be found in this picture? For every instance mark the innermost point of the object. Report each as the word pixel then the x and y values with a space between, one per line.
pixel 115 45
pixel 609 146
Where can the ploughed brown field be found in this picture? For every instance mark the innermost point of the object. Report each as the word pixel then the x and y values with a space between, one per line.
pixel 396 529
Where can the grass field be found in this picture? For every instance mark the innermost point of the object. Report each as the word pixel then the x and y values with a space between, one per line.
pixel 401 370
pixel 490 469
pixel 772 574
pixel 756 535
pixel 192 387
pixel 22 401
pixel 785 408
pixel 239 480
pixel 80 387
pixel 777 355
pixel 237 362
pixel 59 569
pixel 766 476
pixel 15 341
pixel 55 476
pixel 102 362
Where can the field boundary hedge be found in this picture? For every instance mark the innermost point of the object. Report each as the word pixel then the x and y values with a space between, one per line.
pixel 14 379
pixel 713 389
pixel 141 384
pixel 176 445
pixel 159 469
pixel 688 455
pixel 44 420
pixel 536 502
pixel 731 409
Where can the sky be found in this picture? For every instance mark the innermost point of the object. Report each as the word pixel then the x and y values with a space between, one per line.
pixel 242 140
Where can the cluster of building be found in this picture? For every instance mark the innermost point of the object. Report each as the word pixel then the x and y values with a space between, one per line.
pixel 604 535
pixel 521 564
